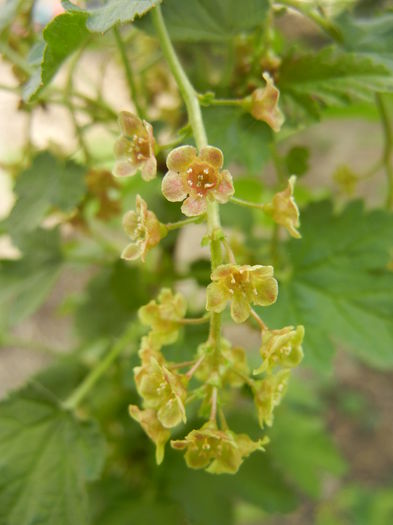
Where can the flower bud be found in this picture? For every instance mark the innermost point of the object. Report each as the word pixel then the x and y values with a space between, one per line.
pixel 264 104
pixel 283 209
pixel 281 348
pixel 153 428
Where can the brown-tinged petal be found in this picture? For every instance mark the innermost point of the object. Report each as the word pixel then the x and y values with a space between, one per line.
pixel 194 205
pixel 130 223
pixel 133 251
pixel 240 308
pixel 124 169
pixel 223 271
pixel 180 158
pixel 216 297
pixel 212 155
pixel 225 188
pixel 130 124
pixel 267 291
pixel 172 187
pixel 122 147
pixel 149 169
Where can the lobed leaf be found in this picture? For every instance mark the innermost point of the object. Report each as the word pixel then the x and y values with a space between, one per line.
pixel 340 286
pixel 47 457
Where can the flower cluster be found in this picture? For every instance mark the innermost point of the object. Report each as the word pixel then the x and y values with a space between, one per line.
pixel 218 370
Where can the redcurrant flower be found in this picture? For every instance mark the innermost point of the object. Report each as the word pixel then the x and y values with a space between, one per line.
pixel 162 390
pixel 198 176
pixel 134 150
pixel 264 104
pixel 268 394
pixel 283 209
pixel 164 316
pixel 144 229
pixel 153 428
pixel 243 286
pixel 218 451
pixel 281 347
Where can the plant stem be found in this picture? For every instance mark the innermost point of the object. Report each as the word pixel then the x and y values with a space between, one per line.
pixel 187 91
pixel 247 204
pixel 195 367
pixel 388 147
pixel 191 101
pixel 128 72
pixel 258 320
pixel 74 400
pixel 179 224
pixel 196 320
pixel 237 102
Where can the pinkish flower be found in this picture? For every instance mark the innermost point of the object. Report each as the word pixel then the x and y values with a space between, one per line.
pixel 198 176
pixel 144 229
pixel 134 150
pixel 283 209
pixel 264 104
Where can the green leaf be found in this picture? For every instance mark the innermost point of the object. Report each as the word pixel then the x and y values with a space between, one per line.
pixel 242 138
pixel 113 12
pixel 26 282
pixel 329 78
pixel 338 284
pixel 370 36
pixel 212 20
pixel 63 36
pixel 46 458
pixel 303 451
pixel 48 183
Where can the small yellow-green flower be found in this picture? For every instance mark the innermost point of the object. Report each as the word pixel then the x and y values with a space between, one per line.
pixel 227 366
pixel 149 349
pixel 217 451
pixel 153 428
pixel 134 150
pixel 243 285
pixel 162 390
pixel 281 347
pixel 198 176
pixel 268 394
pixel 164 316
pixel 144 229
pixel 264 104
pixel 283 209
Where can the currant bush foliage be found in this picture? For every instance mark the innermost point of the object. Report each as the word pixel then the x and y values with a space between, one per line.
pixel 69 450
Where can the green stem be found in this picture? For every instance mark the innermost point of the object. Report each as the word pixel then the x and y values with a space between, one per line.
pixel 238 102
pixel 388 147
pixel 195 320
pixel 74 400
pixel 179 224
pixel 187 91
pixel 128 72
pixel 313 15
pixel 247 204
pixel 15 58
pixel 191 101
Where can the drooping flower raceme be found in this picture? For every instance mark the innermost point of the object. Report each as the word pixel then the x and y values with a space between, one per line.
pixel 243 285
pixel 283 209
pixel 198 176
pixel 281 348
pixel 144 229
pixel 218 451
pixel 264 104
pixel 134 150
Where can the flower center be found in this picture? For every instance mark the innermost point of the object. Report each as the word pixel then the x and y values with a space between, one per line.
pixel 140 148
pixel 201 178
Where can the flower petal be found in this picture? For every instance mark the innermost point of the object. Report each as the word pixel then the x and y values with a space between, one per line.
pixel 123 168
pixel 130 124
pixel 133 251
pixel 149 169
pixel 223 271
pixel 225 188
pixel 130 222
pixel 240 308
pixel 122 148
pixel 216 297
pixel 194 205
pixel 172 187
pixel 267 291
pixel 180 158
pixel 212 155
